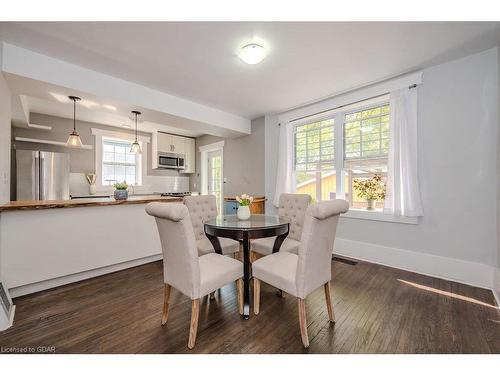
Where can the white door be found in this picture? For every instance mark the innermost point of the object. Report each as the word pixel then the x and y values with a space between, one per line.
pixel 214 166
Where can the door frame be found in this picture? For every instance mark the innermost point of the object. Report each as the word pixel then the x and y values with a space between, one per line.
pixel 204 150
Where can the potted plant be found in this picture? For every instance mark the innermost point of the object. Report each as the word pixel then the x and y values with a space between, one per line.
pixel 372 189
pixel 121 192
pixel 244 206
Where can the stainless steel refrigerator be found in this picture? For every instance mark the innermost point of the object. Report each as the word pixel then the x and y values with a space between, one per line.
pixel 42 175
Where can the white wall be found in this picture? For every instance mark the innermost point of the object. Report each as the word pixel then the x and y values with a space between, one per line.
pixel 5 110
pixel 271 167
pixel 244 161
pixel 497 272
pixel 457 166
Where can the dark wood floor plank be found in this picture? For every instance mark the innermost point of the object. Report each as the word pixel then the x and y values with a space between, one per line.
pixel 378 310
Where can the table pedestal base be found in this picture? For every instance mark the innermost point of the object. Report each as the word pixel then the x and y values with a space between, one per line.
pixel 243 237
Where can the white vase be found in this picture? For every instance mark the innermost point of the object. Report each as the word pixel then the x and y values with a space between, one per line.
pixel 92 189
pixel 243 212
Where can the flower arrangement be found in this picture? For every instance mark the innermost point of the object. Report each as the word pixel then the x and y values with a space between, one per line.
pixel 244 200
pixel 121 186
pixel 370 188
pixel 91 177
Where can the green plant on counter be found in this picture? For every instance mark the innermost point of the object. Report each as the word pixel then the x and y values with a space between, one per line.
pixel 121 186
pixel 370 188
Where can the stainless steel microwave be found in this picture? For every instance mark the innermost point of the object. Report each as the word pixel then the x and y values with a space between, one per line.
pixel 167 160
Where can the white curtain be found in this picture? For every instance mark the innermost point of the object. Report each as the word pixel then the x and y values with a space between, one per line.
pixel 403 193
pixel 286 174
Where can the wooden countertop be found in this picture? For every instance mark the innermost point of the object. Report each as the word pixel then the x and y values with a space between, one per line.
pixel 256 198
pixel 88 202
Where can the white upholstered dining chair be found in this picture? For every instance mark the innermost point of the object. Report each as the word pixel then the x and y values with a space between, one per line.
pixel 201 208
pixel 293 207
pixel 300 274
pixel 194 276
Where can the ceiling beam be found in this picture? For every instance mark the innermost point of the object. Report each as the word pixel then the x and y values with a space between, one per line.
pixel 26 63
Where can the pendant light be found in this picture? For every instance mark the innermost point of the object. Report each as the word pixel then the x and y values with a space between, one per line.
pixel 74 140
pixel 136 147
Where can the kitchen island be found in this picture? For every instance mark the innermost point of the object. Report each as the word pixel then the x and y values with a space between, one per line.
pixel 83 202
pixel 44 244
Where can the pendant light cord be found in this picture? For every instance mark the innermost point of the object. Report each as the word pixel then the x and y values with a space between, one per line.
pixel 136 126
pixel 74 115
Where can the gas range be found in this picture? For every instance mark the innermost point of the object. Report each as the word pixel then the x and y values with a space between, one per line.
pixel 176 194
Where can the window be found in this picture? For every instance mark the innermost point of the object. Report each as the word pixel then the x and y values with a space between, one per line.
pixel 315 159
pixel 118 163
pixel 366 146
pixel 352 143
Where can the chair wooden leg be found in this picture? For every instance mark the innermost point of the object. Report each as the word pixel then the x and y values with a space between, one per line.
pixel 166 297
pixel 329 306
pixel 193 329
pixel 239 287
pixel 256 296
pixel 303 322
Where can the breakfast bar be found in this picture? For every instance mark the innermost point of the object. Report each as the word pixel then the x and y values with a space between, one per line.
pixel 50 243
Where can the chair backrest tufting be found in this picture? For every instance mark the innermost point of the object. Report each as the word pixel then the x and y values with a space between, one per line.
pixel 293 207
pixel 181 267
pixel 200 207
pixel 316 245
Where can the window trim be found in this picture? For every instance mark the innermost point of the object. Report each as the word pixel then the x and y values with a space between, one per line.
pixel 347 99
pixel 378 215
pixel 137 164
pixel 98 154
pixel 338 116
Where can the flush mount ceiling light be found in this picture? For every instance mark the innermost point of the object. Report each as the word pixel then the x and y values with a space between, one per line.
pixel 252 53
pixel 74 140
pixel 136 147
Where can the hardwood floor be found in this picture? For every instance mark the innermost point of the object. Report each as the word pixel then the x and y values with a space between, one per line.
pixel 378 310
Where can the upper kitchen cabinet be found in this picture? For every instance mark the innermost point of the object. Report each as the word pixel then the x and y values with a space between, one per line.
pixel 170 143
pixel 178 144
pixel 190 156
pixel 174 144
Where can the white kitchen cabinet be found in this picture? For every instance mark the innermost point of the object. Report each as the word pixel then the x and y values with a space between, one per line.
pixel 164 142
pixel 177 144
pixel 170 143
pixel 190 155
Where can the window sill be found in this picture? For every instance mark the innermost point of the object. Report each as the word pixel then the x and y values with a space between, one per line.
pixel 354 213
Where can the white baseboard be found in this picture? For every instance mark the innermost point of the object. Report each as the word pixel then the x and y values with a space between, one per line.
pixel 10 319
pixel 462 271
pixel 52 283
pixel 496 287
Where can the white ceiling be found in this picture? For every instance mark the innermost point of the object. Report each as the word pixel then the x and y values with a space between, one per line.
pixel 33 96
pixel 306 62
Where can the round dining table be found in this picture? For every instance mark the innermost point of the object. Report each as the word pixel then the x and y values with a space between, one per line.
pixel 257 226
